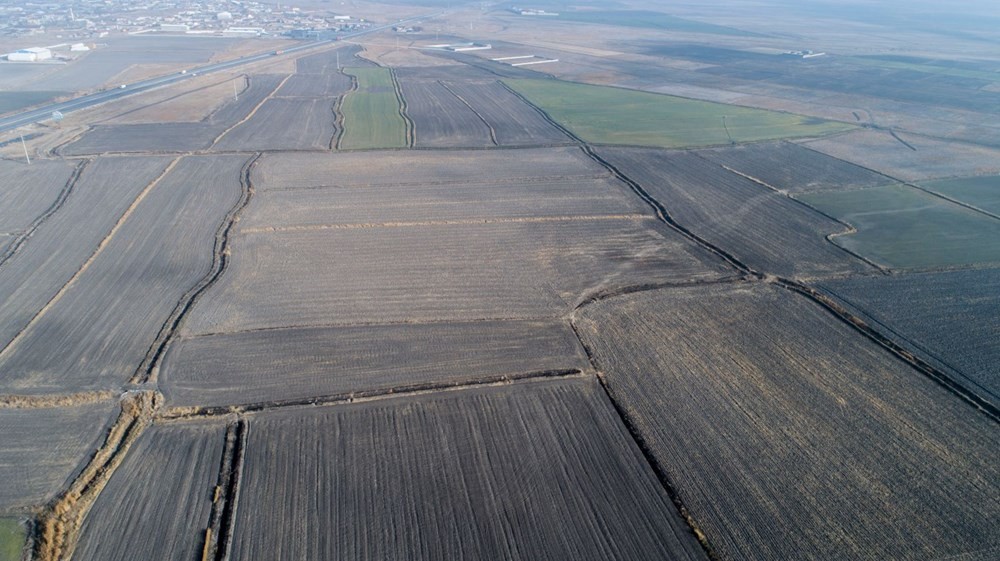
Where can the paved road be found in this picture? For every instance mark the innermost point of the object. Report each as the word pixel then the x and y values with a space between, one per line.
pixel 16 120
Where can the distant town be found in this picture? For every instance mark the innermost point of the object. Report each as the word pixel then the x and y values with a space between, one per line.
pixel 87 20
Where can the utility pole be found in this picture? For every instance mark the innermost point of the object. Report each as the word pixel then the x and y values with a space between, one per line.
pixel 25 146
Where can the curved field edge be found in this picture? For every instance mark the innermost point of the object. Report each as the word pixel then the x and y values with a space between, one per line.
pixel 610 115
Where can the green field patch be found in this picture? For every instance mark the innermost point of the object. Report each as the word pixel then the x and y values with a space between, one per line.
pixel 903 227
pixel 372 117
pixel 609 115
pixel 12 538
pixel 980 192
pixel 649 19
pixel 924 68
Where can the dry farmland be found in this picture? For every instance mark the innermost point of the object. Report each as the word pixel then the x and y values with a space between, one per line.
pixel 29 192
pixel 790 168
pixel 424 272
pixel 758 401
pixel 176 137
pixel 296 171
pixel 298 363
pixel 441 119
pixel 921 158
pixel 948 318
pixel 108 316
pixel 512 122
pixel 767 231
pixel 530 471
pixel 157 504
pixel 423 305
pixel 64 242
pixel 284 124
pixel 44 447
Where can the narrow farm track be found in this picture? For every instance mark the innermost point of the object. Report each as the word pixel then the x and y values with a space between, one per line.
pixel 252 111
pixel 146 372
pixel 365 395
pixel 23 236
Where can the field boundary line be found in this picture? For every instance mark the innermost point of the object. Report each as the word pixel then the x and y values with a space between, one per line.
pixel 171 98
pixel 57 527
pixel 848 230
pixel 222 523
pixel 951 200
pixel 90 260
pixel 46 401
pixel 946 381
pixel 410 127
pixel 493 132
pixel 252 111
pixel 364 396
pixel 647 453
pixel 665 217
pixel 399 323
pixel 460 222
pixel 339 136
pixel 548 118
pixel 607 294
pixel 148 370
pixel 56 205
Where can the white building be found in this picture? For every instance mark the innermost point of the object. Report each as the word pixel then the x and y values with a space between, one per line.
pixel 222 16
pixel 78 48
pixel 33 54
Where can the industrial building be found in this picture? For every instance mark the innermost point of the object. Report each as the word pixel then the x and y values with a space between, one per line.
pixel 32 54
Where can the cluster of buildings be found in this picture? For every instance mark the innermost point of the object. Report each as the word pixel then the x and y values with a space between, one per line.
pixel 91 19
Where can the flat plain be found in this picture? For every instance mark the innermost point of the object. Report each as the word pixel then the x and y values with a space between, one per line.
pixel 422 272
pixel 61 245
pixel 298 171
pixel 755 401
pixel 767 231
pixel 459 201
pixel 921 160
pixel 790 168
pixel 982 192
pixel 948 318
pixel 284 124
pixel 44 447
pixel 373 111
pixel 175 137
pixel 538 470
pixel 902 227
pixel 441 119
pixel 436 306
pixel 298 363
pixel 512 121
pixel 28 191
pixel 107 319
pixel 157 504
pixel 607 115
